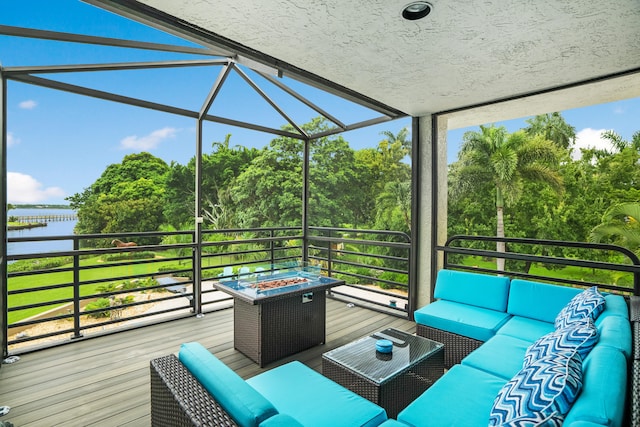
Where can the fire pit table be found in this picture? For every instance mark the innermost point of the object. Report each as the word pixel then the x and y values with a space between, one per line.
pixel 278 313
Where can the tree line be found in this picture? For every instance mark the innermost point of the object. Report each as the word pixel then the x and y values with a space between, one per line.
pixel 248 187
pixel 529 183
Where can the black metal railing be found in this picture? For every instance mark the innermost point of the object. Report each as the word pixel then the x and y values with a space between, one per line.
pixel 610 267
pixel 97 287
pixel 375 263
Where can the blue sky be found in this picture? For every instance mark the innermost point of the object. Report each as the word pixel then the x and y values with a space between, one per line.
pixel 59 143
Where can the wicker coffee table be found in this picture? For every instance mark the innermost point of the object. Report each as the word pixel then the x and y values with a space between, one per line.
pixel 389 380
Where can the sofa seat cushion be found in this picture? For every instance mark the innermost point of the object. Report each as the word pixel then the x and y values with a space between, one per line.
pixel 539 301
pixel 604 386
pixel 243 403
pixel 481 290
pixel 462 397
pixel 501 356
pixel 525 328
pixel 462 319
pixel 314 400
pixel 579 337
pixel 587 304
pixel 542 391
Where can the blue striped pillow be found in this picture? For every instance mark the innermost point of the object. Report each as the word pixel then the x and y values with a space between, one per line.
pixel 588 303
pixel 578 337
pixel 542 392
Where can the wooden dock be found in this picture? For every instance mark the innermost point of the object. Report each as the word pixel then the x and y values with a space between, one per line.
pixel 43 218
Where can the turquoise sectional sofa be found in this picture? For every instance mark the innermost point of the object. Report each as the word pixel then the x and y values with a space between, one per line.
pixel 497 320
pixel 505 339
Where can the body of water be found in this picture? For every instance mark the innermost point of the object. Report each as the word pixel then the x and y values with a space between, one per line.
pixel 53 228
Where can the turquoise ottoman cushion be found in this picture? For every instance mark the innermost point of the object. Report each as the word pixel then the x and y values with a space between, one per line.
pixel 462 319
pixel 481 290
pixel 281 420
pixel 462 397
pixel 604 385
pixel 526 329
pixel 393 423
pixel 243 403
pixel 539 301
pixel 314 400
pixel 502 356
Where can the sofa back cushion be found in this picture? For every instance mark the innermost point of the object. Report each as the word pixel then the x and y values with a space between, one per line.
pixel 242 402
pixel 539 301
pixel 481 290
pixel 604 386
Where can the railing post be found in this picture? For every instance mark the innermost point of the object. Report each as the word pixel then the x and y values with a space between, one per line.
pixel 76 288
pixel 272 249
pixel 329 256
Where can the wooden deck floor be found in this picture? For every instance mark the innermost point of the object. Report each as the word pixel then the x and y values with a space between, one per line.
pixel 105 381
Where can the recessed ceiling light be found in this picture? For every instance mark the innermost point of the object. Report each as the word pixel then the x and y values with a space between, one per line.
pixel 416 10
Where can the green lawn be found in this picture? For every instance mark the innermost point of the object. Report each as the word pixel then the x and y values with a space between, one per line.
pixel 48 279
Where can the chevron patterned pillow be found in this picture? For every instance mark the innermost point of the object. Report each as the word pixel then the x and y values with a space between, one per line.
pixel 588 303
pixel 580 337
pixel 540 394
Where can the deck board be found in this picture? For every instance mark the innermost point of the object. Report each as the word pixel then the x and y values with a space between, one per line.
pixel 104 381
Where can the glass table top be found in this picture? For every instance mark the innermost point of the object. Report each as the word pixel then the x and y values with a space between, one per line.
pixel 361 356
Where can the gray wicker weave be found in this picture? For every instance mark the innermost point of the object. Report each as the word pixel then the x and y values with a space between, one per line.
pixel 275 323
pixel 456 347
pixel 634 386
pixel 178 399
pixel 281 327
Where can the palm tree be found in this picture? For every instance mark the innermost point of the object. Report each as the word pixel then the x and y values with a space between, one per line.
pixel 401 138
pixel 506 160
pixel 620 225
pixel 620 144
pixel 396 197
pixel 554 128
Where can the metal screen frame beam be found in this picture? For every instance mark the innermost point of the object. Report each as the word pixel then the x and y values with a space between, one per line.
pixel 153 17
pixel 4 304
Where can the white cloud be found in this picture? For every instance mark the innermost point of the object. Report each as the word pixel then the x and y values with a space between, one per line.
pixel 589 138
pixel 12 140
pixel 23 188
pixel 148 142
pixel 29 104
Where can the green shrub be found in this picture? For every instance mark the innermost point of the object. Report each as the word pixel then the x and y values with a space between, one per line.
pixel 394 277
pixel 173 267
pixel 123 256
pixel 38 264
pixel 98 304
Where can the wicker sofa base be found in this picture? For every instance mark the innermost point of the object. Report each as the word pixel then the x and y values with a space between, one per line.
pixel 178 399
pixel 456 347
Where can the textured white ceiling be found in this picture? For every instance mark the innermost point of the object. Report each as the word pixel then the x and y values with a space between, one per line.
pixel 464 53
